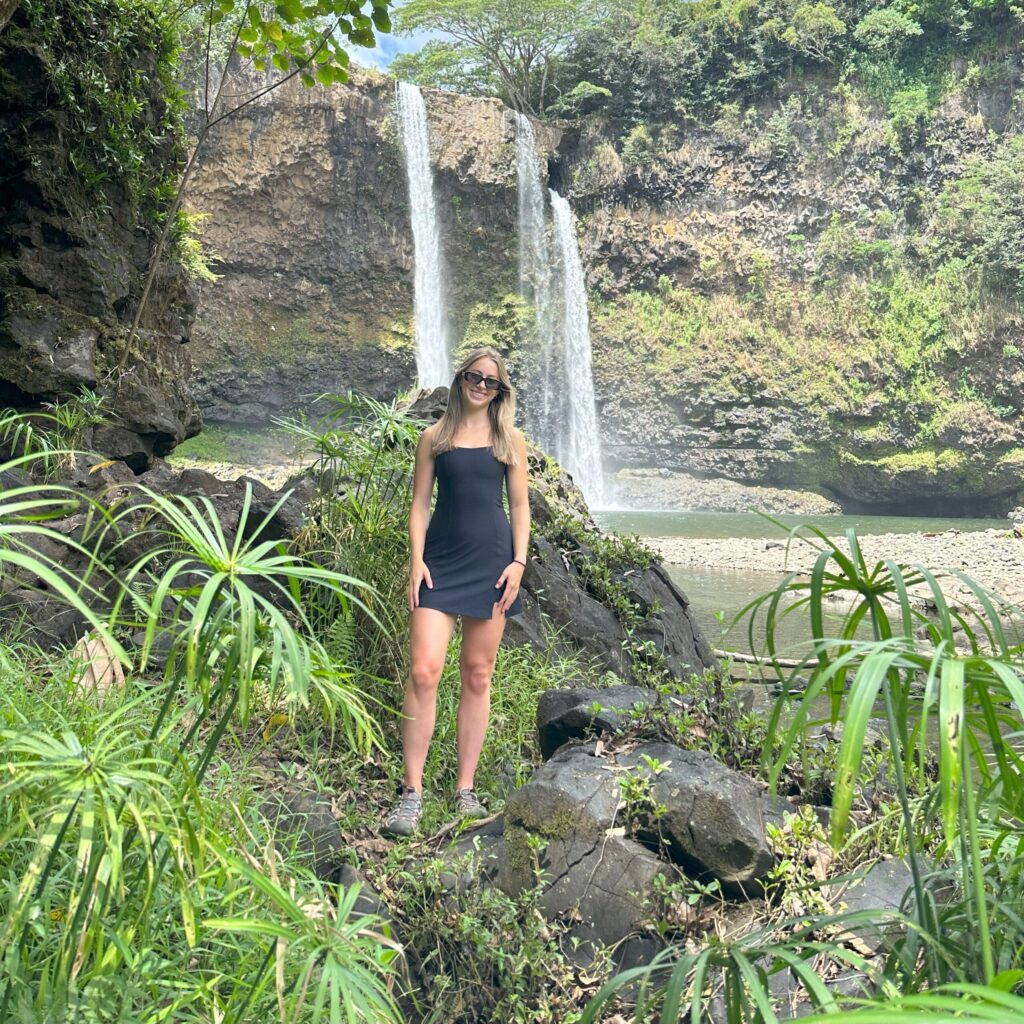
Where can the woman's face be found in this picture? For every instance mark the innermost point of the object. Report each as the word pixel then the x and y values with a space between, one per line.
pixel 479 396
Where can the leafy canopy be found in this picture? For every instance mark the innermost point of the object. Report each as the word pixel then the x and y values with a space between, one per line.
pixel 307 36
pixel 512 43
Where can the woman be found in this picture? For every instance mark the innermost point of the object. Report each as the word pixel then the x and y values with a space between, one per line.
pixel 468 563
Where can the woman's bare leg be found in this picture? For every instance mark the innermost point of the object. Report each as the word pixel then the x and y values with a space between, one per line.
pixel 429 634
pixel 480 639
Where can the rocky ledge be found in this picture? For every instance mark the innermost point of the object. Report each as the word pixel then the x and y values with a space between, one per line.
pixel 667 489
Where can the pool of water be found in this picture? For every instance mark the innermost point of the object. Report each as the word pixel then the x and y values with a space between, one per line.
pixel 718 595
pixel 673 523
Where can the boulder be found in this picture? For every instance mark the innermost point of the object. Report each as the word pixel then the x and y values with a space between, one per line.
pixel 886 888
pixel 474 857
pixel 303 822
pixel 567 714
pixel 368 901
pixel 591 626
pixel 713 816
pixel 670 625
pixel 561 824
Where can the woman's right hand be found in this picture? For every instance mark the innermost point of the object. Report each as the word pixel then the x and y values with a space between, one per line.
pixel 418 574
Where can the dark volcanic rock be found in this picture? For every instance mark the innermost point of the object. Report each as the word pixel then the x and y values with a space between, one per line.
pixel 304 819
pixel 670 625
pixel 713 815
pixel 74 264
pixel 566 714
pixel 601 879
pixel 592 627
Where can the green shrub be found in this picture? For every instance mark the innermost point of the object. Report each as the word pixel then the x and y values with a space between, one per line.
pixel 909 113
pixel 979 216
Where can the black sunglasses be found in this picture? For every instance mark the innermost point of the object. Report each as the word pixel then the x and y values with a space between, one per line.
pixel 473 378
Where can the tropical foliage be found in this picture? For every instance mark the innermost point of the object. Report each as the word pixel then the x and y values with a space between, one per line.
pixel 950 685
pixel 140 883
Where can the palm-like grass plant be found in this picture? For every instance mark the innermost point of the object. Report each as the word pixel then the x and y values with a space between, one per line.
pixel 948 666
pixel 364 453
pixel 238 613
pixel 949 683
pixel 679 985
pixel 118 886
pixel 26 509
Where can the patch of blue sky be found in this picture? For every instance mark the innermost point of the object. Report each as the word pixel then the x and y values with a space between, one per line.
pixel 389 47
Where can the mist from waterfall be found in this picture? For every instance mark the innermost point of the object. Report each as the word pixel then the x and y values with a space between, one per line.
pixel 557 397
pixel 433 360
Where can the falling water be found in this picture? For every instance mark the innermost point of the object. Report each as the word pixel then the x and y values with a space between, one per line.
pixel 432 357
pixel 544 407
pixel 582 442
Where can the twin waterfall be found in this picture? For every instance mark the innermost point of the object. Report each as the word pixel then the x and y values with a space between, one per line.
pixel 558 399
pixel 555 382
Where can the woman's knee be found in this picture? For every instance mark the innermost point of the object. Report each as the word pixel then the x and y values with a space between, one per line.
pixel 476 676
pixel 425 674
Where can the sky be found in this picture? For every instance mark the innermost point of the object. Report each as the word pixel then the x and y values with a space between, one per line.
pixel 388 47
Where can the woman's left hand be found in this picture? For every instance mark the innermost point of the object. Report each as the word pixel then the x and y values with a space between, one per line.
pixel 510 579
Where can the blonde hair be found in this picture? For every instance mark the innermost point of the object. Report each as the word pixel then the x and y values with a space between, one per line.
pixel 501 412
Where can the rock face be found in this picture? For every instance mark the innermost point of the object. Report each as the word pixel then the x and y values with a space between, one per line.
pixel 73 264
pixel 307 200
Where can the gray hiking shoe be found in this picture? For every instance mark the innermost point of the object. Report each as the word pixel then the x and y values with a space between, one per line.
pixel 467 804
pixel 405 818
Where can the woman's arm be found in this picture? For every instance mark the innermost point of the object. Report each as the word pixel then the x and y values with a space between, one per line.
pixel 419 516
pixel 519 516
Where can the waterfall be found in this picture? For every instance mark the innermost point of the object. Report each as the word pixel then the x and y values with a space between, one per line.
pixel 557 396
pixel 582 441
pixel 433 367
pixel 545 405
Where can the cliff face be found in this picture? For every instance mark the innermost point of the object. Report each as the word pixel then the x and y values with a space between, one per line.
pixel 307 200
pixel 771 291
pixel 766 302
pixel 73 253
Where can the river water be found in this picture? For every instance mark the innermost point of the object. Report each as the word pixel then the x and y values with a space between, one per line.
pixel 717 595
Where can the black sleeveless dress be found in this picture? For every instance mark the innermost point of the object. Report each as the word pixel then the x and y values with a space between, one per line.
pixel 469 539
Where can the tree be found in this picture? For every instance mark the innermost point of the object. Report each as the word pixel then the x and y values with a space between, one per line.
pixel 514 41
pixel 814 30
pixel 886 29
